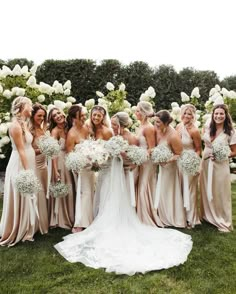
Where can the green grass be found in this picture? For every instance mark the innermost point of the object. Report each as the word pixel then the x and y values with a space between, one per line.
pixel 37 268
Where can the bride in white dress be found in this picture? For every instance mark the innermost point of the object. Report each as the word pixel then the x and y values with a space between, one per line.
pixel 118 241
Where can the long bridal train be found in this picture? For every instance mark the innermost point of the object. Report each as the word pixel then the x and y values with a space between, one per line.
pixel 118 241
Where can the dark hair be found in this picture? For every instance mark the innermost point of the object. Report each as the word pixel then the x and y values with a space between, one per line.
pixel 35 108
pixel 164 116
pixel 228 125
pixel 51 122
pixel 100 109
pixel 72 113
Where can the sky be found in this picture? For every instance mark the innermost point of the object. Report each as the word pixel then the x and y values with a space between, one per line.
pixel 183 33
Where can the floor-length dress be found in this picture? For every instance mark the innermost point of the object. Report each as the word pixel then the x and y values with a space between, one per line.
pixel 118 241
pixel 42 175
pixel 171 207
pixel 218 210
pixel 192 214
pixel 62 209
pixel 145 191
pixel 19 220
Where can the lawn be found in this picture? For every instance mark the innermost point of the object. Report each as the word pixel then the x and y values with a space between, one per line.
pixel 36 267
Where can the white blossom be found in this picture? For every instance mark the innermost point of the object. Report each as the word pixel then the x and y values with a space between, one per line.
pixel 71 99
pixel 41 98
pixel 7 94
pixel 89 103
pixel 232 94
pixel 67 92
pixel 219 100
pixel 67 85
pixel 33 70
pixel 144 97
pixel 25 71
pixel 7 117
pixel 126 104
pixel 206 117
pixel 58 88
pixel 3 128
pixel 2 156
pixel 212 91
pixel 99 94
pixel 50 106
pixel 110 86
pixel 68 104
pixel 5 140
pixel 16 70
pixel 127 110
pixel 174 104
pixel 1 89
pixel 46 89
pixel 59 104
pixel 150 92
pixel 217 87
pixel 122 87
pixel 31 82
pixel 195 93
pixel 198 123
pixel 225 92
pixel 176 110
pixel 16 91
pixel 6 71
pixel 184 97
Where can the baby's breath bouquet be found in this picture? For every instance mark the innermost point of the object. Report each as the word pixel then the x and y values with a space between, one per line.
pixel 189 162
pixel 161 154
pixel 137 155
pixel 48 146
pixel 27 183
pixel 220 151
pixel 116 145
pixel 76 161
pixel 59 189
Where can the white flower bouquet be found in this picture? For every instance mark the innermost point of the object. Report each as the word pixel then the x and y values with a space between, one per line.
pixel 27 183
pixel 77 161
pixel 137 155
pixel 48 146
pixel 220 151
pixel 116 145
pixel 59 189
pixel 189 162
pixel 161 154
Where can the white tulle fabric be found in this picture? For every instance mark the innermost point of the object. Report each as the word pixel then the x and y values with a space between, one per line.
pixel 118 241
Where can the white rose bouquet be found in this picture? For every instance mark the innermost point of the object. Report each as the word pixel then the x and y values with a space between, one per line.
pixel 161 154
pixel 59 189
pixel 48 146
pixel 189 162
pixel 27 183
pixel 116 145
pixel 137 155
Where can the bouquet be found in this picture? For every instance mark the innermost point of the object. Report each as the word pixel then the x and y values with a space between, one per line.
pixel 189 162
pixel 161 154
pixel 220 151
pixel 59 189
pixel 27 183
pixel 48 146
pixel 77 161
pixel 137 155
pixel 116 145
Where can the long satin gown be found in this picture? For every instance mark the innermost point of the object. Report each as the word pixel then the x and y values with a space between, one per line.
pixel 42 174
pixel 118 241
pixel 218 210
pixel 191 213
pixel 19 220
pixel 171 206
pixel 84 206
pixel 145 191
pixel 62 209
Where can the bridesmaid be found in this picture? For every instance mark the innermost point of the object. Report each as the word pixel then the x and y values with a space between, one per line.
pixel 78 132
pixel 147 172
pixel 216 207
pixel 18 223
pixel 99 125
pixel 61 209
pixel 191 140
pixel 38 128
pixel 170 208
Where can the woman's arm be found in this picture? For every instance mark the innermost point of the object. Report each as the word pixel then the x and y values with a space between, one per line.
pixel 197 141
pixel 149 134
pixel 176 146
pixel 70 142
pixel 57 175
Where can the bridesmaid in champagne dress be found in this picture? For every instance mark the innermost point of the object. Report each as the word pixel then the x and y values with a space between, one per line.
pixel 100 128
pixel 19 217
pixel 78 132
pixel 191 140
pixel 38 129
pixel 62 208
pixel 147 172
pixel 171 207
pixel 215 182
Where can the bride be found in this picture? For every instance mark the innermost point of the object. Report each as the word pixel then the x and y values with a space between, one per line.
pixel 117 240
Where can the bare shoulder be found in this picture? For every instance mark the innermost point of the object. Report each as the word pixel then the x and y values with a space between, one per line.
pixel 149 129
pixel 107 133
pixel 15 129
pixel 194 132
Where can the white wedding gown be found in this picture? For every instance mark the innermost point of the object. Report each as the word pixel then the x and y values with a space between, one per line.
pixel 118 241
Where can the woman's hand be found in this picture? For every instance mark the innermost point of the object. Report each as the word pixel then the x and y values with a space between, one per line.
pixel 57 176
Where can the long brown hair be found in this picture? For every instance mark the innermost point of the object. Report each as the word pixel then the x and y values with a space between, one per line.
pixel 51 123
pixel 228 125
pixel 37 106
pixel 72 113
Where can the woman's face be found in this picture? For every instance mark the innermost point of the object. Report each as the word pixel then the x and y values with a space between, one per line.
pixel 187 116
pixel 97 117
pixel 27 110
pixel 115 126
pixel 138 113
pixel 39 117
pixel 83 116
pixel 219 115
pixel 159 124
pixel 57 116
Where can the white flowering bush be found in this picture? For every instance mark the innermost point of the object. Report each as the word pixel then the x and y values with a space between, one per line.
pixel 22 82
